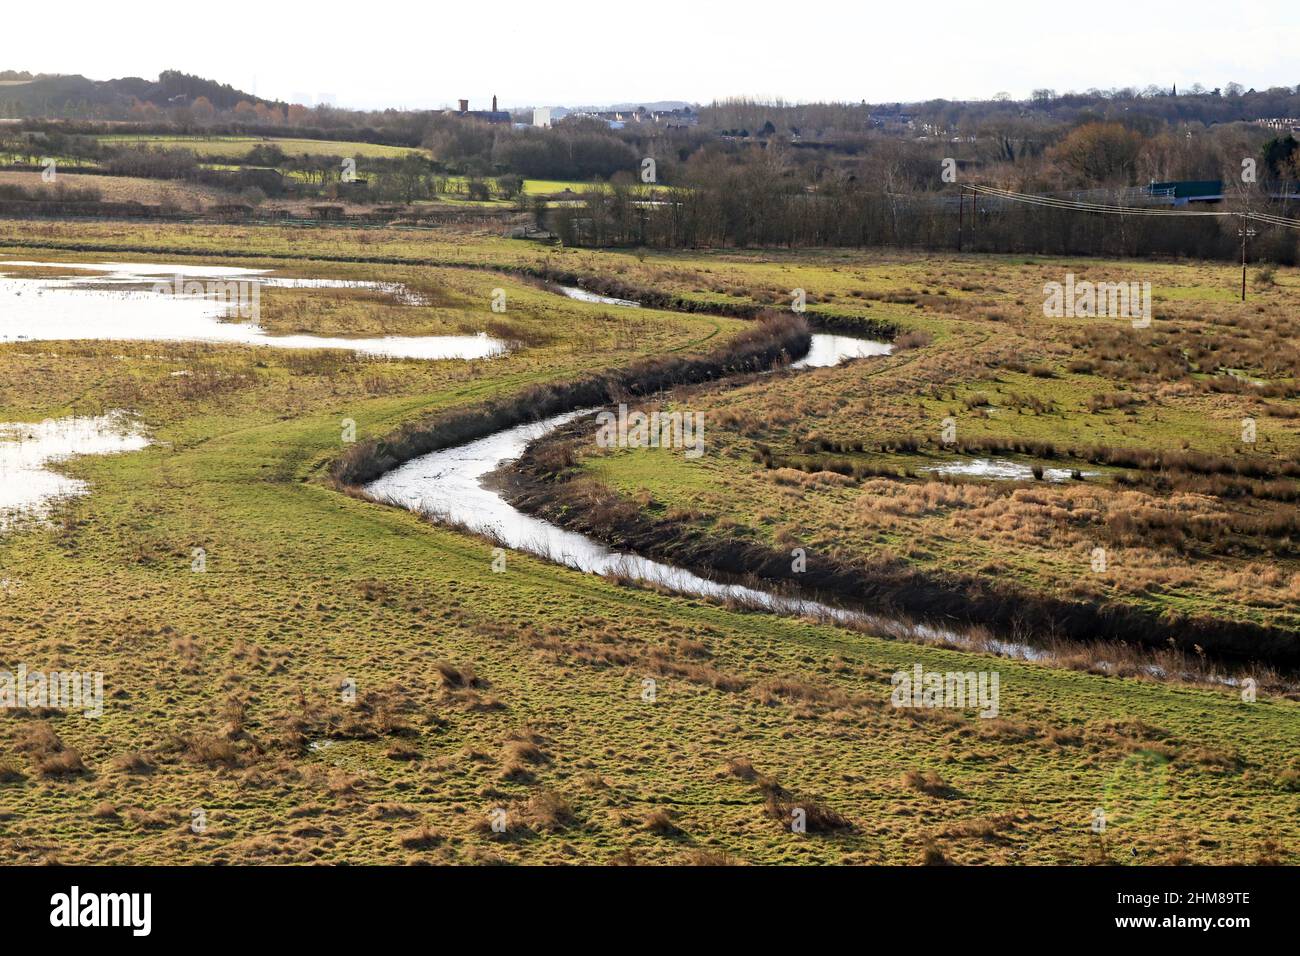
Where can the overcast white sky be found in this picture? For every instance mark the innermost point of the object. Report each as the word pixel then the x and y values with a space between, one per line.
pixel 578 52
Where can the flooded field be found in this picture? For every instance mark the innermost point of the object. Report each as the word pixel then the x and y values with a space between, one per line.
pixel 28 485
pixel 188 303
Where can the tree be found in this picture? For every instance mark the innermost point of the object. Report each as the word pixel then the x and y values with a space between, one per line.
pixel 1099 152
pixel 265 154
pixel 410 178
pixel 203 110
pixel 1280 155
pixel 510 186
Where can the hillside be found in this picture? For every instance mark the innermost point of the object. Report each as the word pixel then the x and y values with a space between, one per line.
pixel 75 96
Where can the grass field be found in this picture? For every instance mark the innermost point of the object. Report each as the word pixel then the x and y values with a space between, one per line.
pixel 523 691
pixel 240 145
pixel 127 188
pixel 457 187
pixel 536 187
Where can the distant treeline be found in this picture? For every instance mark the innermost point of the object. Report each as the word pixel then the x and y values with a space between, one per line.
pixel 775 174
pixel 1147 108
pixel 755 214
pixel 392 135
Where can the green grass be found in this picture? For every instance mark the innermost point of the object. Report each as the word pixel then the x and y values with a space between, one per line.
pixel 60 161
pixel 240 145
pixel 534 187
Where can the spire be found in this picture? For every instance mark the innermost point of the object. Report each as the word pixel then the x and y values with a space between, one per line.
pixel 494 100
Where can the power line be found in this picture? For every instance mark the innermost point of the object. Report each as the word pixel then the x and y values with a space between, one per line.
pixel 1112 209
pixel 1245 217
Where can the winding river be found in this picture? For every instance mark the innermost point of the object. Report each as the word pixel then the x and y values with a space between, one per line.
pixel 448 486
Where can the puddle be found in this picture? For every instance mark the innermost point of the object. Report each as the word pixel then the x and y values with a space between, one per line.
pixel 122 302
pixel 1000 469
pixel 28 487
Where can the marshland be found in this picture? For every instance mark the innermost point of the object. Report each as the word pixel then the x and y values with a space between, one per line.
pixel 341 679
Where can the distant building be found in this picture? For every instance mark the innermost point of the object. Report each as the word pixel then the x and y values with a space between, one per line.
pixel 1285 124
pixel 891 117
pixel 490 116
pixel 1182 192
pixel 670 119
pixel 542 116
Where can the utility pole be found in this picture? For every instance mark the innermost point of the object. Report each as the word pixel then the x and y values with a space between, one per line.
pixel 1245 232
pixel 961 212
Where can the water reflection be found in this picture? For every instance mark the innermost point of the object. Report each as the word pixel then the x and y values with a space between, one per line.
pixel 122 301
pixel 28 486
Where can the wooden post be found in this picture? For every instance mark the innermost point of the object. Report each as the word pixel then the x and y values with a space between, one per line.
pixel 961 212
pixel 1244 232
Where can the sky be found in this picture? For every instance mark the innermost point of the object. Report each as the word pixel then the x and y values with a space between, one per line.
pixel 578 52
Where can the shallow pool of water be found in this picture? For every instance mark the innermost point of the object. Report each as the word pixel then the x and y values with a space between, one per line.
pixel 123 301
pixel 1000 469
pixel 28 485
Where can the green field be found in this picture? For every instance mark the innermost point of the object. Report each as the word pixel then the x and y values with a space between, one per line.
pixel 239 145
pixel 523 691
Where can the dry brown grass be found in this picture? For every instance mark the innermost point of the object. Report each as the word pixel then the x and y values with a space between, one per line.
pixel 549 810
pixel 929 783
pixel 188 196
